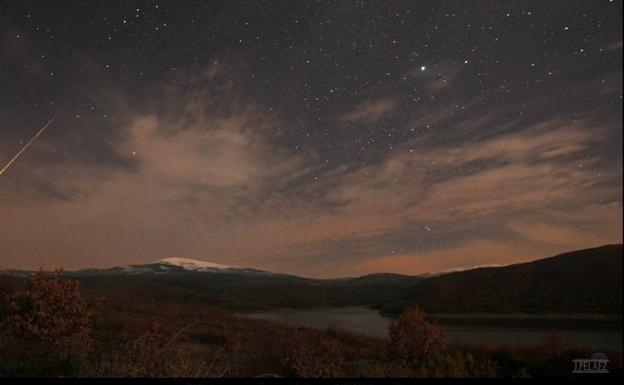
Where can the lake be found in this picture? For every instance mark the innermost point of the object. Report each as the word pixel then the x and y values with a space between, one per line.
pixel 369 321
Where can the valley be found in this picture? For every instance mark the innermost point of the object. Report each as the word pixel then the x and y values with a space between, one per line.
pixel 250 318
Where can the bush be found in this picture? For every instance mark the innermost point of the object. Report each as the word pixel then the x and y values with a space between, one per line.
pixel 157 354
pixel 48 327
pixel 413 339
pixel 458 364
pixel 310 353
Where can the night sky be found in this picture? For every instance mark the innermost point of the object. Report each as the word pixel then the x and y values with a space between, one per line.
pixel 321 138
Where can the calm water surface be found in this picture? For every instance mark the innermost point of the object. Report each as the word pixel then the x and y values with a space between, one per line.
pixel 368 321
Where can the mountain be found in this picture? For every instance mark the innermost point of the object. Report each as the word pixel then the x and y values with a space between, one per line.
pixel 169 266
pixel 235 287
pixel 457 269
pixel 587 280
pixel 193 264
pixel 580 281
pixel 297 292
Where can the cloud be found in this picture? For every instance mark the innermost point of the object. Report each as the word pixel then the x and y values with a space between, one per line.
pixel 487 251
pixel 615 46
pixel 537 236
pixel 217 153
pixel 371 111
pixel 203 172
pixel 504 173
pixel 186 181
pixel 441 77
pixel 488 191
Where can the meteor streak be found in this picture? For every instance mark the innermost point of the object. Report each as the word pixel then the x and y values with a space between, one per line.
pixel 27 144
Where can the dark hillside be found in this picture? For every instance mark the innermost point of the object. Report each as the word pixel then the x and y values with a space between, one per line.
pixel 581 281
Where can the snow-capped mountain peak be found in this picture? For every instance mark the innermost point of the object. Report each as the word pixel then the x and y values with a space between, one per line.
pixel 193 264
pixel 458 269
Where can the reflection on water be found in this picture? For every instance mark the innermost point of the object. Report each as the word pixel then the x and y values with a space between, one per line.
pixel 368 321
pixel 357 319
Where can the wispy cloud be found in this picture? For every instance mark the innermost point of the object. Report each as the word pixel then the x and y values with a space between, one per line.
pixel 371 111
pixel 204 174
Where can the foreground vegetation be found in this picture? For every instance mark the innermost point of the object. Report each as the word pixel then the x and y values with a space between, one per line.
pixel 50 328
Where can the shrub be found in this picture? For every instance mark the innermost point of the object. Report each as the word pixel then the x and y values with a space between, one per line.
pixel 48 325
pixel 413 339
pixel 157 354
pixel 50 309
pixel 310 353
pixel 459 364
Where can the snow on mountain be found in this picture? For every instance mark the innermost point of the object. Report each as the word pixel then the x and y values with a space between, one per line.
pixel 164 266
pixel 193 264
pixel 458 269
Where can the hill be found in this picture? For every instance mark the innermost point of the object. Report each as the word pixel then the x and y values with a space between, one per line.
pixel 228 287
pixel 581 281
